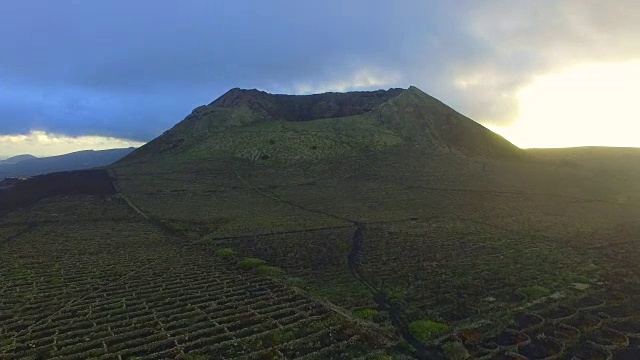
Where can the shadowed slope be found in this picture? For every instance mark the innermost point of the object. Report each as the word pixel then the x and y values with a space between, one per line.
pixel 426 122
pixel 305 107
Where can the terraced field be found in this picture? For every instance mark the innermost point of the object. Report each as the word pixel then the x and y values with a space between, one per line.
pixel 368 259
pixel 317 257
pixel 508 299
pixel 497 297
pixel 92 279
pixel 460 258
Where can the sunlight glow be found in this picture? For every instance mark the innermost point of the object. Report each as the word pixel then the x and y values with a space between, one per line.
pixel 41 143
pixel 585 105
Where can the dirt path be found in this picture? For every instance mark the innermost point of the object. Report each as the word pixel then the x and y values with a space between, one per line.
pixel 386 335
pixel 384 302
pixel 353 259
pixel 119 192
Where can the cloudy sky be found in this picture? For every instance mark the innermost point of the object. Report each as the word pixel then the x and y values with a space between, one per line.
pixel 110 73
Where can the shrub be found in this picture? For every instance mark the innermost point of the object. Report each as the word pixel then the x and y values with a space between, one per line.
pixel 535 291
pixel 367 314
pixel 176 227
pixel 117 272
pixel 207 240
pixel 455 350
pixel 225 252
pixel 267 270
pixel 196 356
pixel 427 330
pixel 334 292
pixel 394 293
pixel 382 357
pixel 297 282
pixel 250 263
pixel 18 271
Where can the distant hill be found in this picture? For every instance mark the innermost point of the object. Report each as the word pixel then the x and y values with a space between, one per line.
pixel 283 129
pixel 591 155
pixel 73 161
pixel 609 161
pixel 16 159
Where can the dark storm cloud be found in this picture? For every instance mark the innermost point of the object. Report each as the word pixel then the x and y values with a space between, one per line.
pixel 147 43
pixel 133 68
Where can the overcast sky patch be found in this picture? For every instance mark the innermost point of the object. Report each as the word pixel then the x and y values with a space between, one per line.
pixel 131 70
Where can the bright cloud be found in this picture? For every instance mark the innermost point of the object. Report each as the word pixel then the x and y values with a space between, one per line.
pixel 41 143
pixel 520 41
pixel 591 104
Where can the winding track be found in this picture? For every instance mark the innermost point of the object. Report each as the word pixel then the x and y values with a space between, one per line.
pixel 384 302
pixel 353 259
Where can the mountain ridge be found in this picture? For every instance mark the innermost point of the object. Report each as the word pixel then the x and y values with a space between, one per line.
pixel 77 160
pixel 305 107
pixel 16 159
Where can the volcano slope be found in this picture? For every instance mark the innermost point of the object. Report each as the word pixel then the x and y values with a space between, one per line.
pixel 415 231
pixel 398 209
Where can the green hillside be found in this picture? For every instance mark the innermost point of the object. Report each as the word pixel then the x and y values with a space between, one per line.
pixel 285 129
pixel 371 225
